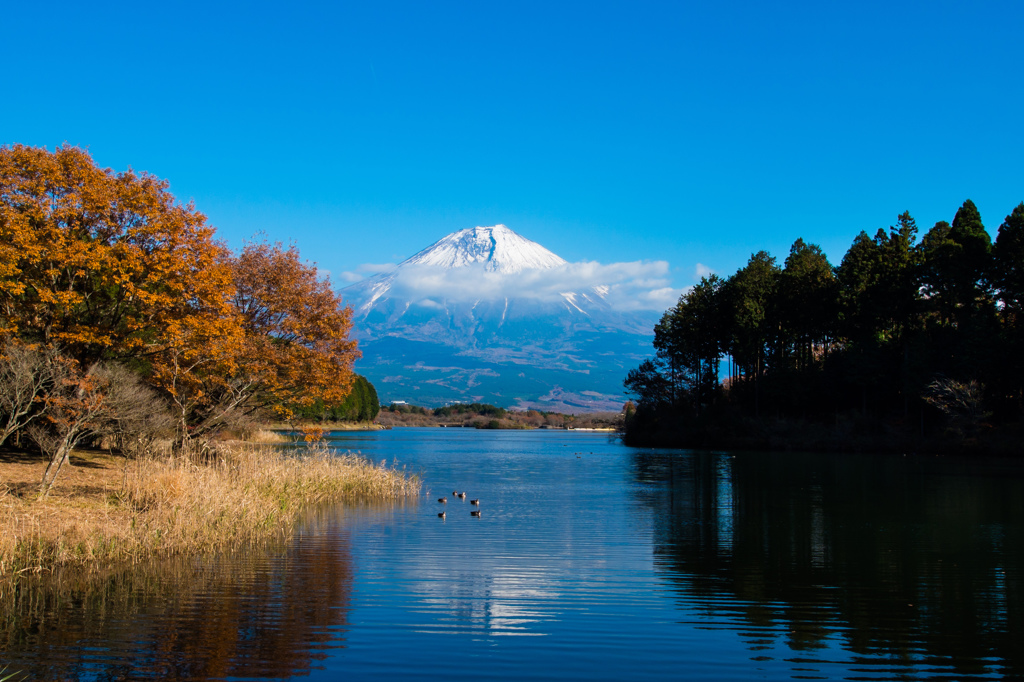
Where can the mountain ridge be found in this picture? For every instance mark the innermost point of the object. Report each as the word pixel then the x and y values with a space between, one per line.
pixel 467 319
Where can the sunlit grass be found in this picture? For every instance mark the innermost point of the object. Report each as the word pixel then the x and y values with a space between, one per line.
pixel 244 494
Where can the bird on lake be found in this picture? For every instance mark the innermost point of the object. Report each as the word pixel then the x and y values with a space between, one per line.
pixel 441 515
pixel 443 500
pixel 476 502
pixel 475 513
pixel 462 495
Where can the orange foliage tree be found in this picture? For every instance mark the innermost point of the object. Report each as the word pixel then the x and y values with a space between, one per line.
pixel 109 267
pixel 99 263
pixel 297 342
pixel 287 346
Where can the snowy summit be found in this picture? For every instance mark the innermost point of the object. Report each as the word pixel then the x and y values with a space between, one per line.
pixel 496 250
pixel 497 247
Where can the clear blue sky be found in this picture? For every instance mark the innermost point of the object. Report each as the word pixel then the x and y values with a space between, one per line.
pixel 686 132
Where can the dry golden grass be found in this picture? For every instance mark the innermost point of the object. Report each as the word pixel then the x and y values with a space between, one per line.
pixel 107 510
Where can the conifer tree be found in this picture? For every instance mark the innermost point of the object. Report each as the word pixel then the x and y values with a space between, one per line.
pixel 1008 270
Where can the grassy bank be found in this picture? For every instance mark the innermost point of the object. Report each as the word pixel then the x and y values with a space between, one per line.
pixel 107 510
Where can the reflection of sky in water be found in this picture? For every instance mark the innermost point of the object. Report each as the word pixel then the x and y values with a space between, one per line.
pixel 594 561
pixel 624 565
pixel 492 604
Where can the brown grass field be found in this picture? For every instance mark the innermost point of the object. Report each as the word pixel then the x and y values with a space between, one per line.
pixel 106 509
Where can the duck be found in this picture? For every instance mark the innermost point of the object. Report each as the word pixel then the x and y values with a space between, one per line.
pixel 462 495
pixel 443 500
pixel 476 502
pixel 441 515
pixel 475 513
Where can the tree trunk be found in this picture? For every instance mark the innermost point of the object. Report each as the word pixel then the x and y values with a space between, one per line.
pixel 57 462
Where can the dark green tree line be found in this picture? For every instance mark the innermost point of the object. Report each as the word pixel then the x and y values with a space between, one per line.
pixel 885 334
pixel 361 405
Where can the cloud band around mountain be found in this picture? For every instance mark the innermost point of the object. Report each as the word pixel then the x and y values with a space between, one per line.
pixel 638 285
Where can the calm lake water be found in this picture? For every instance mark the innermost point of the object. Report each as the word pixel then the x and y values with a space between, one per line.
pixel 590 561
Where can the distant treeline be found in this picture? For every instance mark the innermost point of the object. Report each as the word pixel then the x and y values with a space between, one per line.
pixel 485 416
pixel 905 339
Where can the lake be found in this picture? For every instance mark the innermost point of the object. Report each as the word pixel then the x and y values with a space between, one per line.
pixel 590 560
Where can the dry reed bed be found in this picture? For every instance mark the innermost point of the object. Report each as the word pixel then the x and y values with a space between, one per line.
pixel 155 506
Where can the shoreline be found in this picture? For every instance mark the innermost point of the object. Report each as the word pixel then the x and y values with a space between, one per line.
pixel 326 426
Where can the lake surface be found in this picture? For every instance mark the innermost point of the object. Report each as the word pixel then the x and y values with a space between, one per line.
pixel 590 561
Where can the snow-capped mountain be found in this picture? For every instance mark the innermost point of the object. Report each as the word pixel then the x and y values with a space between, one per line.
pixel 498 248
pixel 486 314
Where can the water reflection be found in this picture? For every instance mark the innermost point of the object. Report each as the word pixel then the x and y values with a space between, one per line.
pixel 259 615
pixel 916 561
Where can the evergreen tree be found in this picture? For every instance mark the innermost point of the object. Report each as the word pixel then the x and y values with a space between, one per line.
pixel 1008 267
pixel 689 340
pixel 1008 279
pixel 807 300
pixel 749 296
pixel 958 260
pixel 857 276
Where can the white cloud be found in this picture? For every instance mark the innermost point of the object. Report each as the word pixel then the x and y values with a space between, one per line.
pixel 362 271
pixel 660 299
pixel 702 271
pixel 638 285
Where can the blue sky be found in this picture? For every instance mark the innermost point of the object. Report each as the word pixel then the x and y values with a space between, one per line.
pixel 609 132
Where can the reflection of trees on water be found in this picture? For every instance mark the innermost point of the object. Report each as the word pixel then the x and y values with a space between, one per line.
pixel 259 615
pixel 909 559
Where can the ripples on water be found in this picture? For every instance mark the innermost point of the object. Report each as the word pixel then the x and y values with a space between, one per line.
pixel 589 561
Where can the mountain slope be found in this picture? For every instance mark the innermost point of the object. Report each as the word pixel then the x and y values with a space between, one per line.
pixel 485 314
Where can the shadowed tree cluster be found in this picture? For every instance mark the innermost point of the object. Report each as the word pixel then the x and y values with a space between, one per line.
pixel 121 314
pixel 924 334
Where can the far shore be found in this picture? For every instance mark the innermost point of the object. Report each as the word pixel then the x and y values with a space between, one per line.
pixel 326 426
pixel 364 426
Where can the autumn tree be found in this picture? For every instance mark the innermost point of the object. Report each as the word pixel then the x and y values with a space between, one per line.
pixel 99 263
pixel 296 346
pixel 109 267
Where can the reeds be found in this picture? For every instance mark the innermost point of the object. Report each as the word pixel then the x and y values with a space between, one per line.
pixel 243 494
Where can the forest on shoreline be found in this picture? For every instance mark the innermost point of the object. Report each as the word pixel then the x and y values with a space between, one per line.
pixel 907 345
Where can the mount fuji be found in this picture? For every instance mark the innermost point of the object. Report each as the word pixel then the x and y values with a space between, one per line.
pixel 487 315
